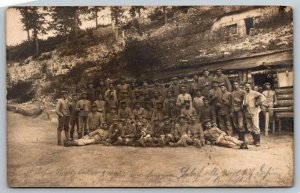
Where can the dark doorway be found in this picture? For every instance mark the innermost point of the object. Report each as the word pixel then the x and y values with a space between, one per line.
pixel 261 79
pixel 249 24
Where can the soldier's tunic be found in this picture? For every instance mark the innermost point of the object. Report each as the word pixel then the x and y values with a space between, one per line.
pixel 184 97
pixel 63 113
pixel 125 113
pixel 138 113
pixel 224 79
pixel 252 110
pixel 74 113
pixel 110 117
pixel 214 96
pixel 97 136
pixel 196 133
pixel 123 88
pixel 84 107
pixel 205 84
pixel 181 133
pixel 101 105
pixel 198 103
pixel 194 87
pixel 207 113
pixel 128 134
pixel 95 119
pixel 114 134
pixel 157 115
pixel 219 137
pixel 237 109
pixel 148 113
pixel 270 99
pixel 170 108
pixel 224 113
pixel 188 113
pixel 111 103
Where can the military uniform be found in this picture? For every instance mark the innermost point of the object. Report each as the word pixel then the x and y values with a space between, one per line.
pixel 101 105
pixel 63 113
pixel 218 137
pixel 223 79
pixel 128 134
pixel 84 107
pixel 125 113
pixel 237 111
pixel 196 134
pixel 205 84
pixel 74 118
pixel 223 112
pixel 168 131
pixel 207 113
pixel 95 119
pixel 181 133
pixel 138 113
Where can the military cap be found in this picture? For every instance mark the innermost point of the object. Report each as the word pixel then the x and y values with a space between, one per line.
pixel 170 90
pixel 207 121
pixel 63 91
pixel 205 99
pixel 219 69
pixel 187 101
pixel 215 81
pixel 159 102
pixel 222 84
pixel 122 78
pixel 84 92
pixel 113 107
pixel 181 116
pixel 123 101
pixel 205 69
pixel 94 106
pixel 267 83
pixel 174 78
pixel 166 117
pixel 104 123
pixel 183 85
pixel 193 117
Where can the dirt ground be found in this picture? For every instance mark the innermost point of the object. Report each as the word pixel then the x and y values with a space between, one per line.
pixel 34 160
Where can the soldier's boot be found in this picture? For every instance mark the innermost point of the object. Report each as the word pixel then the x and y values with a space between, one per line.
pixel 58 137
pixel 68 143
pixel 243 146
pixel 67 135
pixel 257 140
pixel 171 144
pixel 242 133
pixel 79 135
pixel 71 135
pixel 254 139
pixel 142 142
pixel 198 144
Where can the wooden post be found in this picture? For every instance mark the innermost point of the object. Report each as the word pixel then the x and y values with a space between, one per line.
pixel 267 120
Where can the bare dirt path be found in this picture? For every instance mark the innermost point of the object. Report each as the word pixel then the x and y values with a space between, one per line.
pixel 34 160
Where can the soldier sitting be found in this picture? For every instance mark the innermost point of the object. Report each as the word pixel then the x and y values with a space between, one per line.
pixel 215 136
pixel 196 135
pixel 114 133
pixel 181 132
pixel 128 133
pixel 167 128
pixel 95 137
pixel 144 133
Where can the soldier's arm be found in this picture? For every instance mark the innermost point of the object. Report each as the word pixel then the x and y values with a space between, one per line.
pixel 88 122
pixel 58 106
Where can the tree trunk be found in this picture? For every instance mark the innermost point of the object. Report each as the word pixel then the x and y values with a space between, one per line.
pixel 165 15
pixel 96 18
pixel 28 36
pixel 37 49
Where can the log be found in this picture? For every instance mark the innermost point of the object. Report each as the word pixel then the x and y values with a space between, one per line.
pixel 285 103
pixel 285 96
pixel 284 91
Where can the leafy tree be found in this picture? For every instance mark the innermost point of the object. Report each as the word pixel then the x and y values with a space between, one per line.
pixel 33 19
pixel 65 20
pixel 116 13
pixel 92 13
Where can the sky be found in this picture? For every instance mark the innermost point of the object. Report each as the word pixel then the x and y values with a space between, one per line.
pixel 16 35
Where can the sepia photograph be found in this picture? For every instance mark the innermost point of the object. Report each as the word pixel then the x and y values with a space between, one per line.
pixel 150 96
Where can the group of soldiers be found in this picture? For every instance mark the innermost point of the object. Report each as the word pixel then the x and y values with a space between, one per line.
pixel 203 111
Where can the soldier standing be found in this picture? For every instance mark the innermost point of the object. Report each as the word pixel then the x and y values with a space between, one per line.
pixel 139 111
pixel 124 112
pixel 196 134
pixel 63 113
pixel 183 96
pixel 221 78
pixel 223 110
pixel 198 100
pixel 205 82
pixel 95 119
pixel 74 116
pixel 270 97
pixel 207 113
pixel 188 111
pixel 181 132
pixel 237 110
pixel 100 104
pixel 252 102
pixel 84 107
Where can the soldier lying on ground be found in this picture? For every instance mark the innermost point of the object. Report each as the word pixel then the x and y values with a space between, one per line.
pixel 95 137
pixel 218 137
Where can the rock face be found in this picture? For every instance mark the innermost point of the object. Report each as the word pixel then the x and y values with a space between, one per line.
pixel 27 109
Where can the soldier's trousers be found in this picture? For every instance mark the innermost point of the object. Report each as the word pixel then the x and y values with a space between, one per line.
pixel 231 142
pixel 225 124
pixel 252 121
pixel 82 125
pixel 184 140
pixel 63 124
pixel 238 120
pixel 74 122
